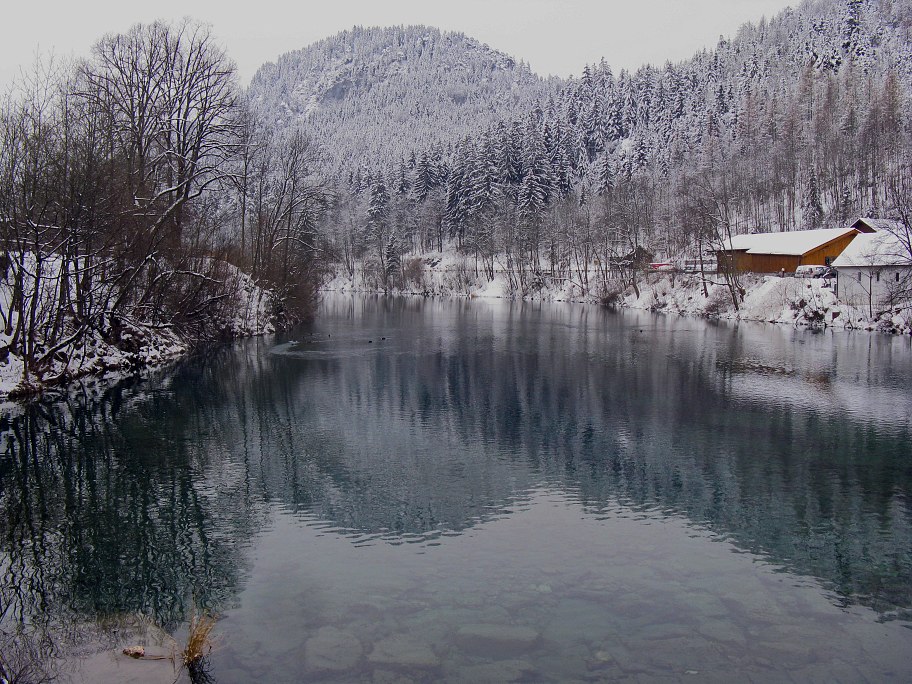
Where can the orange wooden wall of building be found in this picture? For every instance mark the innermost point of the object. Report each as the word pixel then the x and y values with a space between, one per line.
pixel 774 263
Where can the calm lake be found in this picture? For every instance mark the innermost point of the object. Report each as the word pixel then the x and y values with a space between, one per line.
pixel 481 491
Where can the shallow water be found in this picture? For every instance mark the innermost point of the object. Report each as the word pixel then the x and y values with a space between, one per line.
pixel 485 491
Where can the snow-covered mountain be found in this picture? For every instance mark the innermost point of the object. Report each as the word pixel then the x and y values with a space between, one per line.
pixel 799 121
pixel 374 95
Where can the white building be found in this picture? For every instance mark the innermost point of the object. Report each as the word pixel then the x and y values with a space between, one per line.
pixel 875 271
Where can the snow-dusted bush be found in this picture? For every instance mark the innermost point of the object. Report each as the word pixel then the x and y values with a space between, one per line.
pixel 717 301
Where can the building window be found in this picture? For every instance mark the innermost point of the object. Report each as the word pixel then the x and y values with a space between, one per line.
pixel 897 276
pixel 878 276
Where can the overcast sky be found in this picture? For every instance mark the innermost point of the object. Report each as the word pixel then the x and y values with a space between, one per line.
pixel 554 36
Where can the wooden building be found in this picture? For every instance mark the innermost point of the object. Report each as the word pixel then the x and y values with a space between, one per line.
pixel 776 252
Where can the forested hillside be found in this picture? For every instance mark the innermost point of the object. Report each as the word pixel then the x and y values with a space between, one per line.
pixel 375 95
pixel 799 121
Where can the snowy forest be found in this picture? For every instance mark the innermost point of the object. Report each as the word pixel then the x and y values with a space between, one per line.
pixel 797 122
pixel 145 193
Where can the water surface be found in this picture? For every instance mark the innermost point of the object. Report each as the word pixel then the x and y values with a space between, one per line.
pixel 484 491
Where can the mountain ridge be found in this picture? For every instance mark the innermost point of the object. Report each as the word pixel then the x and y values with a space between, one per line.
pixel 357 90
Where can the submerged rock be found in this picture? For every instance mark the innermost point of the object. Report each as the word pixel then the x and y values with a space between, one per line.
pixel 401 651
pixel 390 677
pixel 495 641
pixel 499 672
pixel 601 660
pixel 332 650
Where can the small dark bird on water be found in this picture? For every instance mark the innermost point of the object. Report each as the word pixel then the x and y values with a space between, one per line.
pixel 382 338
pixel 370 341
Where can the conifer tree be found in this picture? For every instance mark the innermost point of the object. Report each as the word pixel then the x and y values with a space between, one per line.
pixel 812 209
pixel 378 219
pixel 605 178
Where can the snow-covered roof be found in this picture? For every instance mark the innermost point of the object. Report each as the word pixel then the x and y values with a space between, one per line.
pixel 876 224
pixel 875 249
pixel 794 243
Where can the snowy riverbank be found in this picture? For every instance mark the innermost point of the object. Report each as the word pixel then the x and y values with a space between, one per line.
pixel 127 346
pixel 800 302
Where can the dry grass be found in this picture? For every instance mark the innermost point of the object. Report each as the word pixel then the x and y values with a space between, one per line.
pixel 199 638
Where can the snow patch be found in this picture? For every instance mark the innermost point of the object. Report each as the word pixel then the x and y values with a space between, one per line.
pixel 125 345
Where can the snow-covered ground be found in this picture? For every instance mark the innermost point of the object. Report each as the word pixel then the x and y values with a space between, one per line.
pixel 803 302
pixel 136 345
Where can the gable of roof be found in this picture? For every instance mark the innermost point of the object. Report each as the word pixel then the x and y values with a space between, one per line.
pixel 871 225
pixel 874 250
pixel 792 243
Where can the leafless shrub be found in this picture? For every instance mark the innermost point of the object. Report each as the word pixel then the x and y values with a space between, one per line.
pixel 413 274
pixel 23 659
pixel 372 275
pixel 610 293
pixel 459 279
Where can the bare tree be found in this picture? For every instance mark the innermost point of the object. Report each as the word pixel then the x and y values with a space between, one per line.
pixel 170 95
pixel 103 168
pixel 711 204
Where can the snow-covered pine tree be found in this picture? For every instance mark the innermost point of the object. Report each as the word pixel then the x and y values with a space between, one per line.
pixel 606 175
pixel 393 267
pixel 811 206
pixel 424 179
pixel 378 219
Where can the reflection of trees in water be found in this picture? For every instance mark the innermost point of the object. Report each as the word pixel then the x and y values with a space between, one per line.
pixel 480 406
pixel 308 444
pixel 478 403
pixel 585 399
pixel 149 497
pixel 106 510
